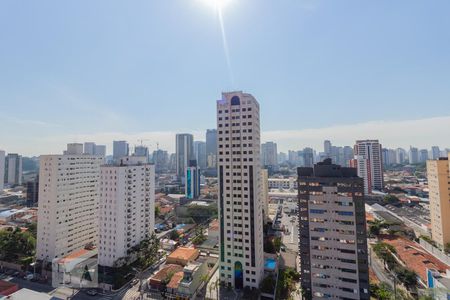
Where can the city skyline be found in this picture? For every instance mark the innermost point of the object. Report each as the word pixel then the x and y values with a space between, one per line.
pixel 69 82
pixel 401 134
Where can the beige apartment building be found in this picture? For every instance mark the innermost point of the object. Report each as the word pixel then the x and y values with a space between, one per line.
pixel 438 184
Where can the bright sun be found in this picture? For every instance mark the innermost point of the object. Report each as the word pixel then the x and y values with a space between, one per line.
pixel 217 4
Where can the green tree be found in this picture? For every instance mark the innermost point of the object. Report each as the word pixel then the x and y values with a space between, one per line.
pixel 174 235
pixel 390 199
pixel 268 285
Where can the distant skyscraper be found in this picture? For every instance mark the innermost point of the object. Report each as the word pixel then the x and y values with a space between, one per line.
pixel 293 157
pixel 413 155
pixel 192 186
pixel 211 148
pixel 435 152
pixel 348 156
pixel 33 192
pixel 161 160
pixel 282 157
pixel 332 231
pixel 141 151
pixel 100 150
pixel 185 153
pixel 200 154
pixel 2 170
pixel 240 204
pixel 439 196
pixel 68 204
pixel 423 155
pixel 13 169
pixel 269 154
pixel 327 148
pixel 126 211
pixel 400 156
pixel 74 149
pixel 89 148
pixel 120 149
pixel 368 161
pixel 308 157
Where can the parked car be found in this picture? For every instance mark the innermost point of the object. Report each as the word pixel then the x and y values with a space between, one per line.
pixel 91 292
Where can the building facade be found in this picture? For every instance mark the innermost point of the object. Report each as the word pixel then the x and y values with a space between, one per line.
pixel 33 192
pixel 439 196
pixel 332 233
pixel 240 206
pixel 184 153
pixel 68 204
pixel 126 207
pixel 192 186
pixel 13 169
pixel 369 163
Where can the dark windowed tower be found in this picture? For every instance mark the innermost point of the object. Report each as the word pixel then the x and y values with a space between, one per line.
pixel 332 233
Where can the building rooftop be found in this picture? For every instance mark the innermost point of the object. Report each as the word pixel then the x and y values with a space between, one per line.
pixel 30 295
pixel 165 271
pixel 214 225
pixel 327 169
pixel 184 253
pixel 415 257
pixel 175 280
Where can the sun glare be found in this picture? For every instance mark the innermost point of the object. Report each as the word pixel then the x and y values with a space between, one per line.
pixel 217 4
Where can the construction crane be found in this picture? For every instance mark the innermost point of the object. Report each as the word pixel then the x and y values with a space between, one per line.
pixel 143 140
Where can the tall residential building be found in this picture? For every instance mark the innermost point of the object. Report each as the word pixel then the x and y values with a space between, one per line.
pixel 348 156
pixel 2 170
pixel 120 149
pixel 269 154
pixel 435 152
pixel 184 153
pixel 126 207
pixel 439 196
pixel 192 186
pixel 211 148
pixel 332 233
pixel 200 154
pixel 68 204
pixel 413 155
pixel 13 169
pixel 368 161
pixel 240 205
pixel 74 149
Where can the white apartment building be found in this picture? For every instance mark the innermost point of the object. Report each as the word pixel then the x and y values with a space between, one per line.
pixel 68 203
pixel 126 208
pixel 368 160
pixel 240 205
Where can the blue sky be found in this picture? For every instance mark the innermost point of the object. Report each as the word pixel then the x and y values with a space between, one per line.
pixel 74 70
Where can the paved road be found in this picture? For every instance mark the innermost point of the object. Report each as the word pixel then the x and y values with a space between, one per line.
pixel 378 268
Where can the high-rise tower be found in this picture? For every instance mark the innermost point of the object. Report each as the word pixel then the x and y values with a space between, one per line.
pixel 332 232
pixel 240 205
